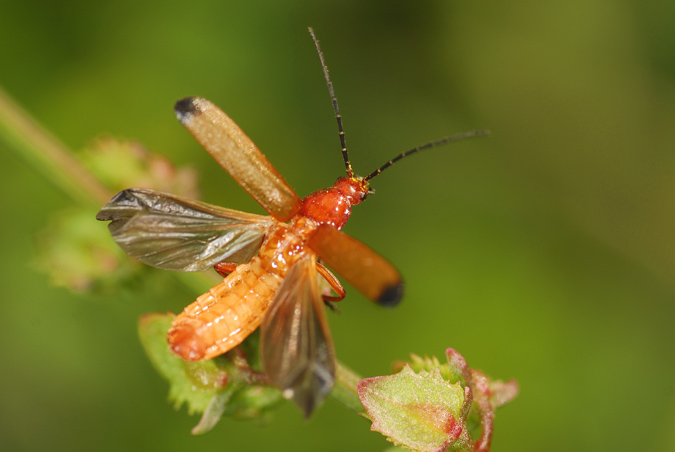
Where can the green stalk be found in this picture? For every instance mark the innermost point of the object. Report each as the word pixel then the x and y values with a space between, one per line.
pixel 43 152
pixel 345 389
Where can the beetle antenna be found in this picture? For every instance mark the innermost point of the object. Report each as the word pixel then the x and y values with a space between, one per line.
pixel 345 156
pixel 442 141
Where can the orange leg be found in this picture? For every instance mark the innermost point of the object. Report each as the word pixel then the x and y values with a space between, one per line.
pixel 225 268
pixel 333 282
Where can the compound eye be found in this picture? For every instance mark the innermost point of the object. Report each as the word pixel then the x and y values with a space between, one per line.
pixel 364 195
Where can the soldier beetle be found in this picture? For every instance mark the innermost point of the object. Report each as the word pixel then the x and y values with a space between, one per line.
pixel 270 264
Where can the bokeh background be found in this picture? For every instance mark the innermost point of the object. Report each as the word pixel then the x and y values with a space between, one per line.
pixel 544 253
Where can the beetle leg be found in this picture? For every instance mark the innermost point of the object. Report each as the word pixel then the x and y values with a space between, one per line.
pixel 334 283
pixel 225 268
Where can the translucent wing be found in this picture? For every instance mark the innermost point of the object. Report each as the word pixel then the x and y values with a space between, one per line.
pixel 362 267
pixel 295 345
pixel 174 233
pixel 238 155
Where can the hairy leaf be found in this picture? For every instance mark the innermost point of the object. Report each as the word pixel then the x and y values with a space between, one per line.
pixel 419 411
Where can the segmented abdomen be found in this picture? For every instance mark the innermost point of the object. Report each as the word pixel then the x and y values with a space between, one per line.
pixel 223 317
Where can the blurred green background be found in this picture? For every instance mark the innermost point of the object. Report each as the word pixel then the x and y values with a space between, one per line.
pixel 544 253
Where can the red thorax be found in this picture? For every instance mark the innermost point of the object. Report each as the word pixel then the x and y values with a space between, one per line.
pixel 334 205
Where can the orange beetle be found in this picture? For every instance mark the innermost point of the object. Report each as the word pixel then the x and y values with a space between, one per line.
pixel 270 263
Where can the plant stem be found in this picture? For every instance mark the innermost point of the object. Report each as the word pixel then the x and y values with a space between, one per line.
pixel 47 155
pixel 345 390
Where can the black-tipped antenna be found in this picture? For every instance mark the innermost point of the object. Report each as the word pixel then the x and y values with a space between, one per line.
pixel 442 141
pixel 345 156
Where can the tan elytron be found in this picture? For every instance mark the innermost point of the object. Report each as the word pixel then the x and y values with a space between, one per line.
pixel 238 155
pixel 223 317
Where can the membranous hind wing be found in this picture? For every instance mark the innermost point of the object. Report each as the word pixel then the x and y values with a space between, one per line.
pixel 175 233
pixel 295 345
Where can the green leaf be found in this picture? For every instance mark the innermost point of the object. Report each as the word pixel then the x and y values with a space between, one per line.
pixel 191 383
pixel 121 164
pixel 253 402
pixel 224 386
pixel 419 411
pixel 75 255
pixel 214 411
pixel 487 395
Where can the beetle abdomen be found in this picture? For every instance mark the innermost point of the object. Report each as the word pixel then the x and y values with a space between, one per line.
pixel 223 317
